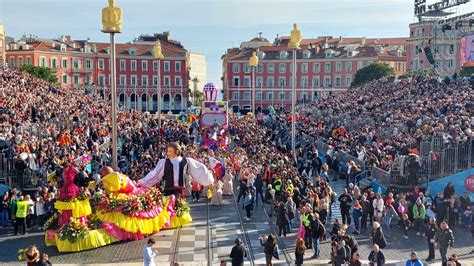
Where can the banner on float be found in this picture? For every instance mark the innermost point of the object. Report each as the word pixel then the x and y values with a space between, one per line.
pixel 214 113
pixel 463 182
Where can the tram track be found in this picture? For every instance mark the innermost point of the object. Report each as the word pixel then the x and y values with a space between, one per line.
pixel 248 244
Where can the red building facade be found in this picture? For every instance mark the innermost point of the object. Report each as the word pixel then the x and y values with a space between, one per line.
pixel 324 66
pixel 86 64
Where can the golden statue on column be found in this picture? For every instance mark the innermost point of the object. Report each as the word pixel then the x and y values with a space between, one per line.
pixel 295 38
pixel 112 18
pixel 157 51
pixel 253 61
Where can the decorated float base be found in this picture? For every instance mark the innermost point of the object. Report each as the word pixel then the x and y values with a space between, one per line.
pixel 115 226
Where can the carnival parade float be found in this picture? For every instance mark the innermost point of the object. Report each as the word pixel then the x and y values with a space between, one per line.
pixel 123 209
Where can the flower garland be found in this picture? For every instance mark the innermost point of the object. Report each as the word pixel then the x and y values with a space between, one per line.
pixel 129 205
pixel 93 222
pixel 73 231
pixel 182 207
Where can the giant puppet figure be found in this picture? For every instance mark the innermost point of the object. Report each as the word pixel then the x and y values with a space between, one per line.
pixel 173 170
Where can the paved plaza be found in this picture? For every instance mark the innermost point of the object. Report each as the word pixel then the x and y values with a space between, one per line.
pixel 190 245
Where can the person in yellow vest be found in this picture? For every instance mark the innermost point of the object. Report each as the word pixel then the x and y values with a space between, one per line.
pixel 21 213
pixel 278 186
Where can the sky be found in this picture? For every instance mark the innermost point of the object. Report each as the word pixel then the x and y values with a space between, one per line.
pixel 210 26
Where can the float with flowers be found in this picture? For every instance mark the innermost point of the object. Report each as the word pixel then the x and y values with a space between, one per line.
pixel 121 211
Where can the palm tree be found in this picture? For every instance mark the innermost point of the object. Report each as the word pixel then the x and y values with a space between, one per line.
pixel 195 81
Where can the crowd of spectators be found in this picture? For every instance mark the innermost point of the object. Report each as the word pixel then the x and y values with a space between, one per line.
pixel 385 118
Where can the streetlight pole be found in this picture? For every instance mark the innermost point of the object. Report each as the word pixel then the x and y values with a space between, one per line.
pixel 253 62
pixel 112 24
pixel 294 44
pixel 293 105
pixel 158 56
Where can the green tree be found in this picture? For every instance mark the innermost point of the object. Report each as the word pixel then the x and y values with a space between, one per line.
pixel 372 72
pixel 198 97
pixel 43 73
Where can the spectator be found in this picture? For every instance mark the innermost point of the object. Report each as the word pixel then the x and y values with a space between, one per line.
pixel 430 237
pixel 317 232
pixel 299 251
pixel 149 253
pixel 248 204
pixel 419 213
pixel 269 247
pixel 21 214
pixel 355 260
pixel 345 200
pixel 376 256
pixel 414 261
pixel 40 212
pixel 44 261
pixel 282 219
pixel 453 261
pixel 4 211
pixel 378 237
pixel 341 254
pixel 445 239
pixel 238 253
pixel 406 224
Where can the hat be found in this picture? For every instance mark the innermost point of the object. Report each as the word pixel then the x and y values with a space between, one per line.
pixel 238 240
pixel 413 253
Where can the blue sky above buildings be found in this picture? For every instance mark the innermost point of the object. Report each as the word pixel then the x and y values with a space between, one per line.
pixel 210 26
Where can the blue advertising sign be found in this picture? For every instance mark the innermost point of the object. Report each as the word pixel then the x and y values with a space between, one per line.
pixel 463 182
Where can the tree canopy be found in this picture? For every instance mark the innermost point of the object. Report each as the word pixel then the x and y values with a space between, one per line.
pixel 372 72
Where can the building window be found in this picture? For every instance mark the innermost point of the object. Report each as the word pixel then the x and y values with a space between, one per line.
pixel 177 81
pixel 417 50
pixel 236 81
pixel 260 68
pixel 338 67
pixel 327 68
pixel 304 68
pixel 144 80
pixel 450 64
pixel 348 81
pixel 42 62
pixel 144 65
pixel 281 82
pixel 304 82
pixel 101 80
pixel 28 60
pixel 436 49
pixel 54 63
pixel 418 32
pixel 167 81
pixel 451 49
pixel 283 55
pixel 88 80
pixel 133 65
pixel 338 82
pixel 282 67
pixel 258 95
pixel 416 64
pixel 20 61
pixel 271 68
pixel 123 80
pixel 133 80
pixel 282 95
pixel 11 61
pixel 88 64
pixel 64 79
pixel 235 95
pixel 306 54
pixel 259 82
pixel 101 64
pixel 155 65
pixel 316 68
pixel 122 65
pixel 76 80
pixel 132 52
pixel 155 80
pixel 316 82
pixel 247 95
pixel 327 81
pixel 270 82
pixel 246 68
pixel 348 66
pixel 236 68
pixel 246 81
pixel 270 95
pixel 166 66
pixel 177 66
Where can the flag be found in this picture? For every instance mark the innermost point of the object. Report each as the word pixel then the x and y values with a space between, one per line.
pixel 217 166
